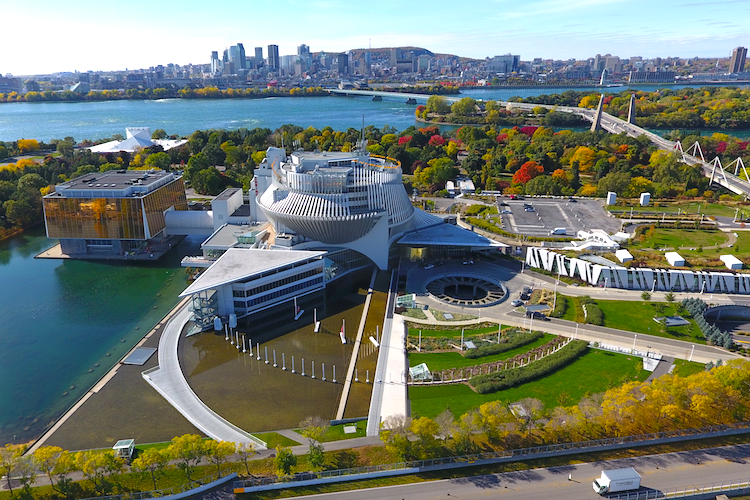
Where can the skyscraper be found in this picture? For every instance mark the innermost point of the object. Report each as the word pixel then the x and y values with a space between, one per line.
pixel 737 63
pixel 258 57
pixel 273 57
pixel 237 56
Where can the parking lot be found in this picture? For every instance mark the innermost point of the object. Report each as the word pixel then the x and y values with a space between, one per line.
pixel 551 213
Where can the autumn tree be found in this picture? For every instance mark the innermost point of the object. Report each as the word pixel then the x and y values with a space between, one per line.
pixel 528 171
pixel 188 450
pixel 98 467
pixel 153 462
pixel 218 452
pixel 28 145
pixel 10 458
pixel 245 451
pixel 464 107
pixel 313 428
pixel 53 461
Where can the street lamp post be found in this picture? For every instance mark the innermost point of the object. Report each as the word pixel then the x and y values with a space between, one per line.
pixel 691 353
pixel 635 337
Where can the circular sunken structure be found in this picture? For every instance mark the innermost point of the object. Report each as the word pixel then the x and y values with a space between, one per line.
pixel 466 290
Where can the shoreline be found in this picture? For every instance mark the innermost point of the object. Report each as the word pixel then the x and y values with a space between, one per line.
pixel 103 380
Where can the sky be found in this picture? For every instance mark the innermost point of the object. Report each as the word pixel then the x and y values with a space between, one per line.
pixel 45 36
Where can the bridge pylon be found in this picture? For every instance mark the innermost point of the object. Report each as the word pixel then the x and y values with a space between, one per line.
pixel 738 163
pixel 631 110
pixel 696 151
pixel 596 125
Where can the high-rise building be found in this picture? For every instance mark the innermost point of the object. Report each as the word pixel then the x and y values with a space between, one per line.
pixel 215 63
pixel 737 63
pixel 237 56
pixel 273 57
pixel 258 57
pixel 342 64
pixel 303 52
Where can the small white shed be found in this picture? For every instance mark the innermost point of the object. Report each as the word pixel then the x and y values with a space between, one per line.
pixel 623 255
pixel 645 199
pixel 611 198
pixel 731 261
pixel 674 259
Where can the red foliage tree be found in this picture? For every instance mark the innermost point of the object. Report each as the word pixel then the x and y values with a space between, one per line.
pixel 436 140
pixel 528 130
pixel 404 140
pixel 528 171
pixel 502 137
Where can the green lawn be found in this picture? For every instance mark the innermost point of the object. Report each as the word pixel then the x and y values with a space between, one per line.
pixel 414 313
pixel 637 316
pixel 274 439
pixel 336 432
pixel 451 333
pixel 443 360
pixel 712 209
pixel 676 238
pixel 596 371
pixel 440 316
pixel 570 311
pixel 683 368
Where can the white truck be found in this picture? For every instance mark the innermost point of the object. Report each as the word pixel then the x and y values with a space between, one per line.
pixel 613 481
pixel 559 231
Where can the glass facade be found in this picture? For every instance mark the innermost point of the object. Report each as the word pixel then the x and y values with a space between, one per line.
pixel 113 218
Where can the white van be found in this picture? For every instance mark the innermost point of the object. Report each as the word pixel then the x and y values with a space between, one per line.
pixel 559 231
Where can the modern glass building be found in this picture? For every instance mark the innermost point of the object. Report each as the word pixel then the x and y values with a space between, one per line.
pixel 113 214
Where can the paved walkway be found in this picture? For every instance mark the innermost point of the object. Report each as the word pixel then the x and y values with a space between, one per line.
pixel 170 382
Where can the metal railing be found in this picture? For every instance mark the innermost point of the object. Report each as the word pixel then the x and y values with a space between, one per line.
pixel 503 456
pixel 693 491
pixel 141 495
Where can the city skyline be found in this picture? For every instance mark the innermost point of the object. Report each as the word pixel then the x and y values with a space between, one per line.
pixel 179 33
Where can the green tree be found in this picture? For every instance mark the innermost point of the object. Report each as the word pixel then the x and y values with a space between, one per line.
pixel 153 462
pixel 285 460
pixel 159 160
pixel 187 450
pixel 207 181
pixel 464 107
pixel 669 297
pixel 159 133
pixel 98 467
pixel 438 105
pixel 645 296
pixel 313 428
pixel 54 461
pixel 10 457
pixel 615 181
pixel 196 163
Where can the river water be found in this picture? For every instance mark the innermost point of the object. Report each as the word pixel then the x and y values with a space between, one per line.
pixel 97 120
pixel 63 324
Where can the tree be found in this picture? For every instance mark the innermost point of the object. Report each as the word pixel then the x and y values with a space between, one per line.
pixel 438 105
pixel 196 163
pixel 446 422
pixel 528 171
pixel 395 433
pixel 159 133
pixel 188 450
pixel 616 182
pixel 645 296
pixel 285 460
pixel 245 451
pixel 158 160
pixel 585 156
pixel 53 461
pixel 98 467
pixel 207 181
pixel 464 107
pixel 10 456
pixel 28 145
pixel 66 147
pixel 669 297
pixel 153 462
pixel 219 452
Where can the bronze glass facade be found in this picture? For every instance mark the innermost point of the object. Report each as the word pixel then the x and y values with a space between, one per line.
pixel 113 218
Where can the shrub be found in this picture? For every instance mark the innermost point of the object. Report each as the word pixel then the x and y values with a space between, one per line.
pixel 561 306
pixel 514 342
pixel 498 381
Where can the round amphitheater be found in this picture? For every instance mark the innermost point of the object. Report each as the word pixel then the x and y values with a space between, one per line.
pixel 466 290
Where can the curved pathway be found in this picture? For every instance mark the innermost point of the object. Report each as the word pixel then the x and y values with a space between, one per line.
pixel 169 381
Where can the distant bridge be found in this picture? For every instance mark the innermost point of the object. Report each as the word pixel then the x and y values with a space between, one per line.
pixel 714 170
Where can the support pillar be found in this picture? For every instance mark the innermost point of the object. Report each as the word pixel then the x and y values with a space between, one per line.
pixel 596 126
pixel 631 110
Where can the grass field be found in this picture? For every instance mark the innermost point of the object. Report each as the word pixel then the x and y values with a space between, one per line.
pixel 444 360
pixel 676 238
pixel 683 368
pixel 453 333
pixel 712 209
pixel 274 439
pixel 637 316
pixel 336 432
pixel 595 371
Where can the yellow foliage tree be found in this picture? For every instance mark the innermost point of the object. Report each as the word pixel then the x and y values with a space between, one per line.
pixel 28 145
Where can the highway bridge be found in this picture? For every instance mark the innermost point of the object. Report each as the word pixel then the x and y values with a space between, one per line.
pixel 713 170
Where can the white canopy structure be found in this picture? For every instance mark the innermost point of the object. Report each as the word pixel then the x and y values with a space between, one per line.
pixel 137 138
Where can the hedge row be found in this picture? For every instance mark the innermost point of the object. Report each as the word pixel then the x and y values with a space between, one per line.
pixel 561 307
pixel 516 341
pixel 488 226
pixel 493 382
pixel 594 314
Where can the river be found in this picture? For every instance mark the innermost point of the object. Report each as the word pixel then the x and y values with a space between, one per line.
pixel 97 120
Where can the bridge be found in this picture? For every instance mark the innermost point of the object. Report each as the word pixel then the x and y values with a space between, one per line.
pixel 714 170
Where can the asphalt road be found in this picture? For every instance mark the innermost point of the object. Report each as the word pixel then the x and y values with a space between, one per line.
pixel 665 473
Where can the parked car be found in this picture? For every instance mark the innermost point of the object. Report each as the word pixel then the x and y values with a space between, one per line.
pixel 516 303
pixel 572 200
pixel 429 266
pixel 468 262
pixel 503 204
pixel 529 209
pixel 527 289
pixel 524 296
pixel 506 211
pixel 537 315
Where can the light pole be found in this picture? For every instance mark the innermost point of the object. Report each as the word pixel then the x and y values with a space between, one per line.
pixel 554 300
pixel 635 337
pixel 576 334
pixel 691 353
